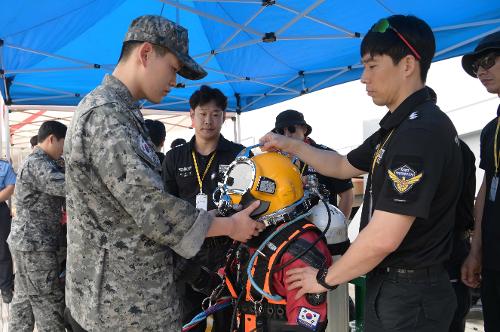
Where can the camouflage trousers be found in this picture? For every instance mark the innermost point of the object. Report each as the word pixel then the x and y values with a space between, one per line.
pixel 37 294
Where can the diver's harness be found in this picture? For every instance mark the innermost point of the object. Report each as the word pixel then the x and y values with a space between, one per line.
pixel 251 286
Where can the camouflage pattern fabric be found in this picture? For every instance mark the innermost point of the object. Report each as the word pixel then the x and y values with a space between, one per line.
pixel 37 296
pixel 122 225
pixel 39 196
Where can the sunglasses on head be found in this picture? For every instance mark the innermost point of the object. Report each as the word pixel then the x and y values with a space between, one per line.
pixel 486 62
pixel 281 131
pixel 383 25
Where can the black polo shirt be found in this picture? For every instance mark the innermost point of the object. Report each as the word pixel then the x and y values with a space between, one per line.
pixel 490 224
pixel 333 185
pixel 179 174
pixel 417 173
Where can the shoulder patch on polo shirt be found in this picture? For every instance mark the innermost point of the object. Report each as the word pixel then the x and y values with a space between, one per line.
pixel 308 318
pixel 404 178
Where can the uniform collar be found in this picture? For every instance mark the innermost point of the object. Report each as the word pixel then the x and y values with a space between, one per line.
pixel 124 95
pixel 222 145
pixel 394 119
pixel 498 110
pixel 40 152
pixel 113 83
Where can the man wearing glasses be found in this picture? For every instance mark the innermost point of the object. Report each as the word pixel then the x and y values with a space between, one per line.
pixel 482 266
pixel 414 167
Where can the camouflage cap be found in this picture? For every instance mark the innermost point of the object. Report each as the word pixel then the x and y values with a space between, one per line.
pixel 163 32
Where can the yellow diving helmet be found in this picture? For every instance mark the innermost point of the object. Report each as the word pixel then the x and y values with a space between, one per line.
pixel 270 178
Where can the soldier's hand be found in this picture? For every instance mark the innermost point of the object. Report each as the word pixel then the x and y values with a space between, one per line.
pixel 471 271
pixel 274 142
pixel 243 226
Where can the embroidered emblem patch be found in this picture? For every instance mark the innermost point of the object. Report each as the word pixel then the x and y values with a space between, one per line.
pixel 404 178
pixel 413 116
pixel 308 318
pixel 186 171
pixel 147 150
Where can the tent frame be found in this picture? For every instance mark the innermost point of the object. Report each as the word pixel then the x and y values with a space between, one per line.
pixel 283 89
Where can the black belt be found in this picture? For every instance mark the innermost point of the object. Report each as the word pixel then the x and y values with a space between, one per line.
pixel 420 274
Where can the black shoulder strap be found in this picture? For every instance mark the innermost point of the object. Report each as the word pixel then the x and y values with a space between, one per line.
pixel 313 257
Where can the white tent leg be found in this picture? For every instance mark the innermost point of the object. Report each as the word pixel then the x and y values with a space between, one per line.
pixel 6 129
pixel 235 130
pixel 1 126
pixel 238 127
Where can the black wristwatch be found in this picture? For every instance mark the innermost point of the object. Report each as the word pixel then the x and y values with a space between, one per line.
pixel 320 278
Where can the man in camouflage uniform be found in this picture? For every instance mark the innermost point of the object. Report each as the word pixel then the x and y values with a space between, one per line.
pixel 122 224
pixel 34 238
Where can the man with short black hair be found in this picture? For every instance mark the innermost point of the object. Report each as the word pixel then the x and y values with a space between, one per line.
pixel 34 238
pixel 191 172
pixel 176 142
pixel 122 225
pixel 157 134
pixel 482 266
pixel 413 162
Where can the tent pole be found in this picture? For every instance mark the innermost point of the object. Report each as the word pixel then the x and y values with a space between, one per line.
pixel 235 33
pixel 466 25
pixel 315 19
pixel 1 126
pixel 235 129
pixel 253 80
pixel 238 127
pixel 467 41
pixel 298 17
pixel 50 55
pixel 282 86
pixel 7 132
pixel 212 17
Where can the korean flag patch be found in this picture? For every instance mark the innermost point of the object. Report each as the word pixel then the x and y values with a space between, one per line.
pixel 146 150
pixel 308 318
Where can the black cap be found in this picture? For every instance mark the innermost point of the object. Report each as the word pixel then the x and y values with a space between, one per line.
pixel 291 118
pixel 488 43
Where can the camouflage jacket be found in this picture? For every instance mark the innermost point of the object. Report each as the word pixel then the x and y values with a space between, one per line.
pixel 122 225
pixel 39 199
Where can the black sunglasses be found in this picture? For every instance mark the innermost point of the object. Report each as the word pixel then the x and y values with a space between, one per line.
pixel 281 131
pixel 486 62
pixel 383 25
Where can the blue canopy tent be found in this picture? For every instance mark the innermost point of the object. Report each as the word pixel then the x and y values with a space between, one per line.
pixel 258 52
